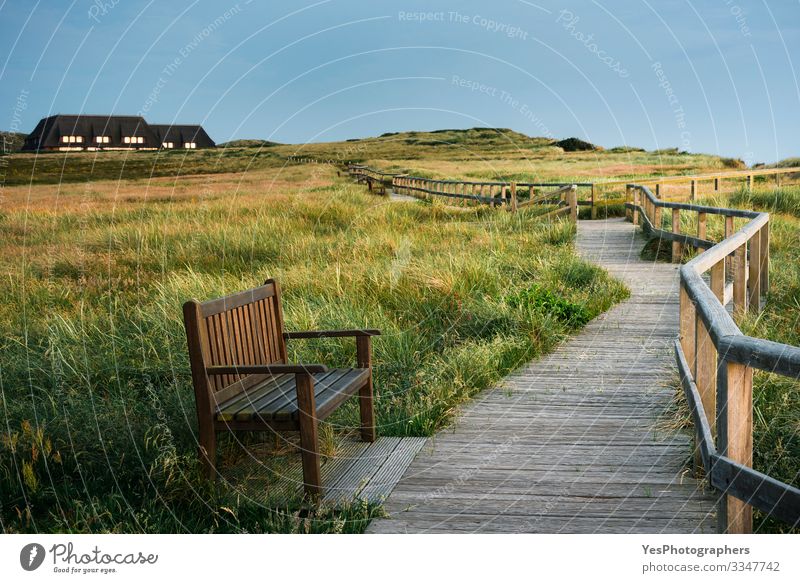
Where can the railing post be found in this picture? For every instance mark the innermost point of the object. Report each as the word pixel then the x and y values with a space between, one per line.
pixel 677 247
pixel 688 321
pixel 706 376
pixel 657 216
pixel 728 233
pixel 764 267
pixel 513 197
pixel 658 190
pixel 735 438
pixel 572 200
pixel 754 268
pixel 635 212
pixel 701 227
pixel 740 279
pixel 594 208
pixel 628 199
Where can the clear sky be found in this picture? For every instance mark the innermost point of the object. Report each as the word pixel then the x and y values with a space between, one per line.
pixel 714 76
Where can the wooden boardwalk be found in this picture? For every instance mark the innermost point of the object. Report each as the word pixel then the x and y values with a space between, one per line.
pixel 575 441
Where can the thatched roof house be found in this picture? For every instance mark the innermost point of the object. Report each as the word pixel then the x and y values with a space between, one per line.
pixel 112 132
pixel 182 136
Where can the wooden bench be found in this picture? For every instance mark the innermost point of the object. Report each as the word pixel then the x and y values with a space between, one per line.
pixel 242 381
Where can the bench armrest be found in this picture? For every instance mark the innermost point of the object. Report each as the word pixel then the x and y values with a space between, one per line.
pixel 331 333
pixel 271 369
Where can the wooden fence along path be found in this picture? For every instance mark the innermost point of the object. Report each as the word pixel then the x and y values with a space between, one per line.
pixel 577 441
pixel 674 188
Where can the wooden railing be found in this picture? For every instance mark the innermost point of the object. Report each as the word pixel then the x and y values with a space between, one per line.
pixel 510 195
pixel 693 183
pixel 311 160
pixel 715 360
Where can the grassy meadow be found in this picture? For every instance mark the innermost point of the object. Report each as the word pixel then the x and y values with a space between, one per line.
pixel 97 405
pixel 493 154
pixel 101 250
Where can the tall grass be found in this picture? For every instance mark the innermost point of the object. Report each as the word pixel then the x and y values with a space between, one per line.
pixel 97 406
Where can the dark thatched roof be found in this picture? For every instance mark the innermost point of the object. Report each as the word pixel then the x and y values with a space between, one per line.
pixel 183 134
pixel 49 132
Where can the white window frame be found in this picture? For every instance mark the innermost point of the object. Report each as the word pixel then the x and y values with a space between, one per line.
pixel 126 139
pixel 190 145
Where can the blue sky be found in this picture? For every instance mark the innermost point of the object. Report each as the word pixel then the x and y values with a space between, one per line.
pixel 712 76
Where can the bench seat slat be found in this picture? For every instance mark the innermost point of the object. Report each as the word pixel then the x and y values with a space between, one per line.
pixel 335 395
pixel 249 408
pixel 321 383
pixel 244 396
pixel 276 397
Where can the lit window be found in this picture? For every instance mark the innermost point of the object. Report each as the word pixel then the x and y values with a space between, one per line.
pixel 101 139
pixel 168 144
pixel 79 139
pixel 126 139
pixel 189 145
pixel 65 139
pixel 140 140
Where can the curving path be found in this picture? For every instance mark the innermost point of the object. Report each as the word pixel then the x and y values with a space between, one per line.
pixel 575 441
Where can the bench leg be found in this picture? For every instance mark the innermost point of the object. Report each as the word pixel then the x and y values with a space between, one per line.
pixel 309 438
pixel 365 395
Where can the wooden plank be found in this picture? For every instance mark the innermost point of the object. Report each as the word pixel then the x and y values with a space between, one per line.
pixel 348 487
pixel 385 479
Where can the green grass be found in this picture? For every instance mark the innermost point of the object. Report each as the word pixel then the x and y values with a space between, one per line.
pixel 98 410
pixel 66 167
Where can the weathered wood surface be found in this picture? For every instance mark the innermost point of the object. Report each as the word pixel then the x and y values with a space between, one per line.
pixel 575 441
pixel 355 470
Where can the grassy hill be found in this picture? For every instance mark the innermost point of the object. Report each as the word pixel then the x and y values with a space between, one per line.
pixel 492 153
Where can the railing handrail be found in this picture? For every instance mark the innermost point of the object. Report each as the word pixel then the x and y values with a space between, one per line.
pixel 506 191
pixel 699 177
pixel 706 373
pixel 470 182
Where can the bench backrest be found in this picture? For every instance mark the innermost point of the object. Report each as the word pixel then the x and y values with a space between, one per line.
pixel 243 328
